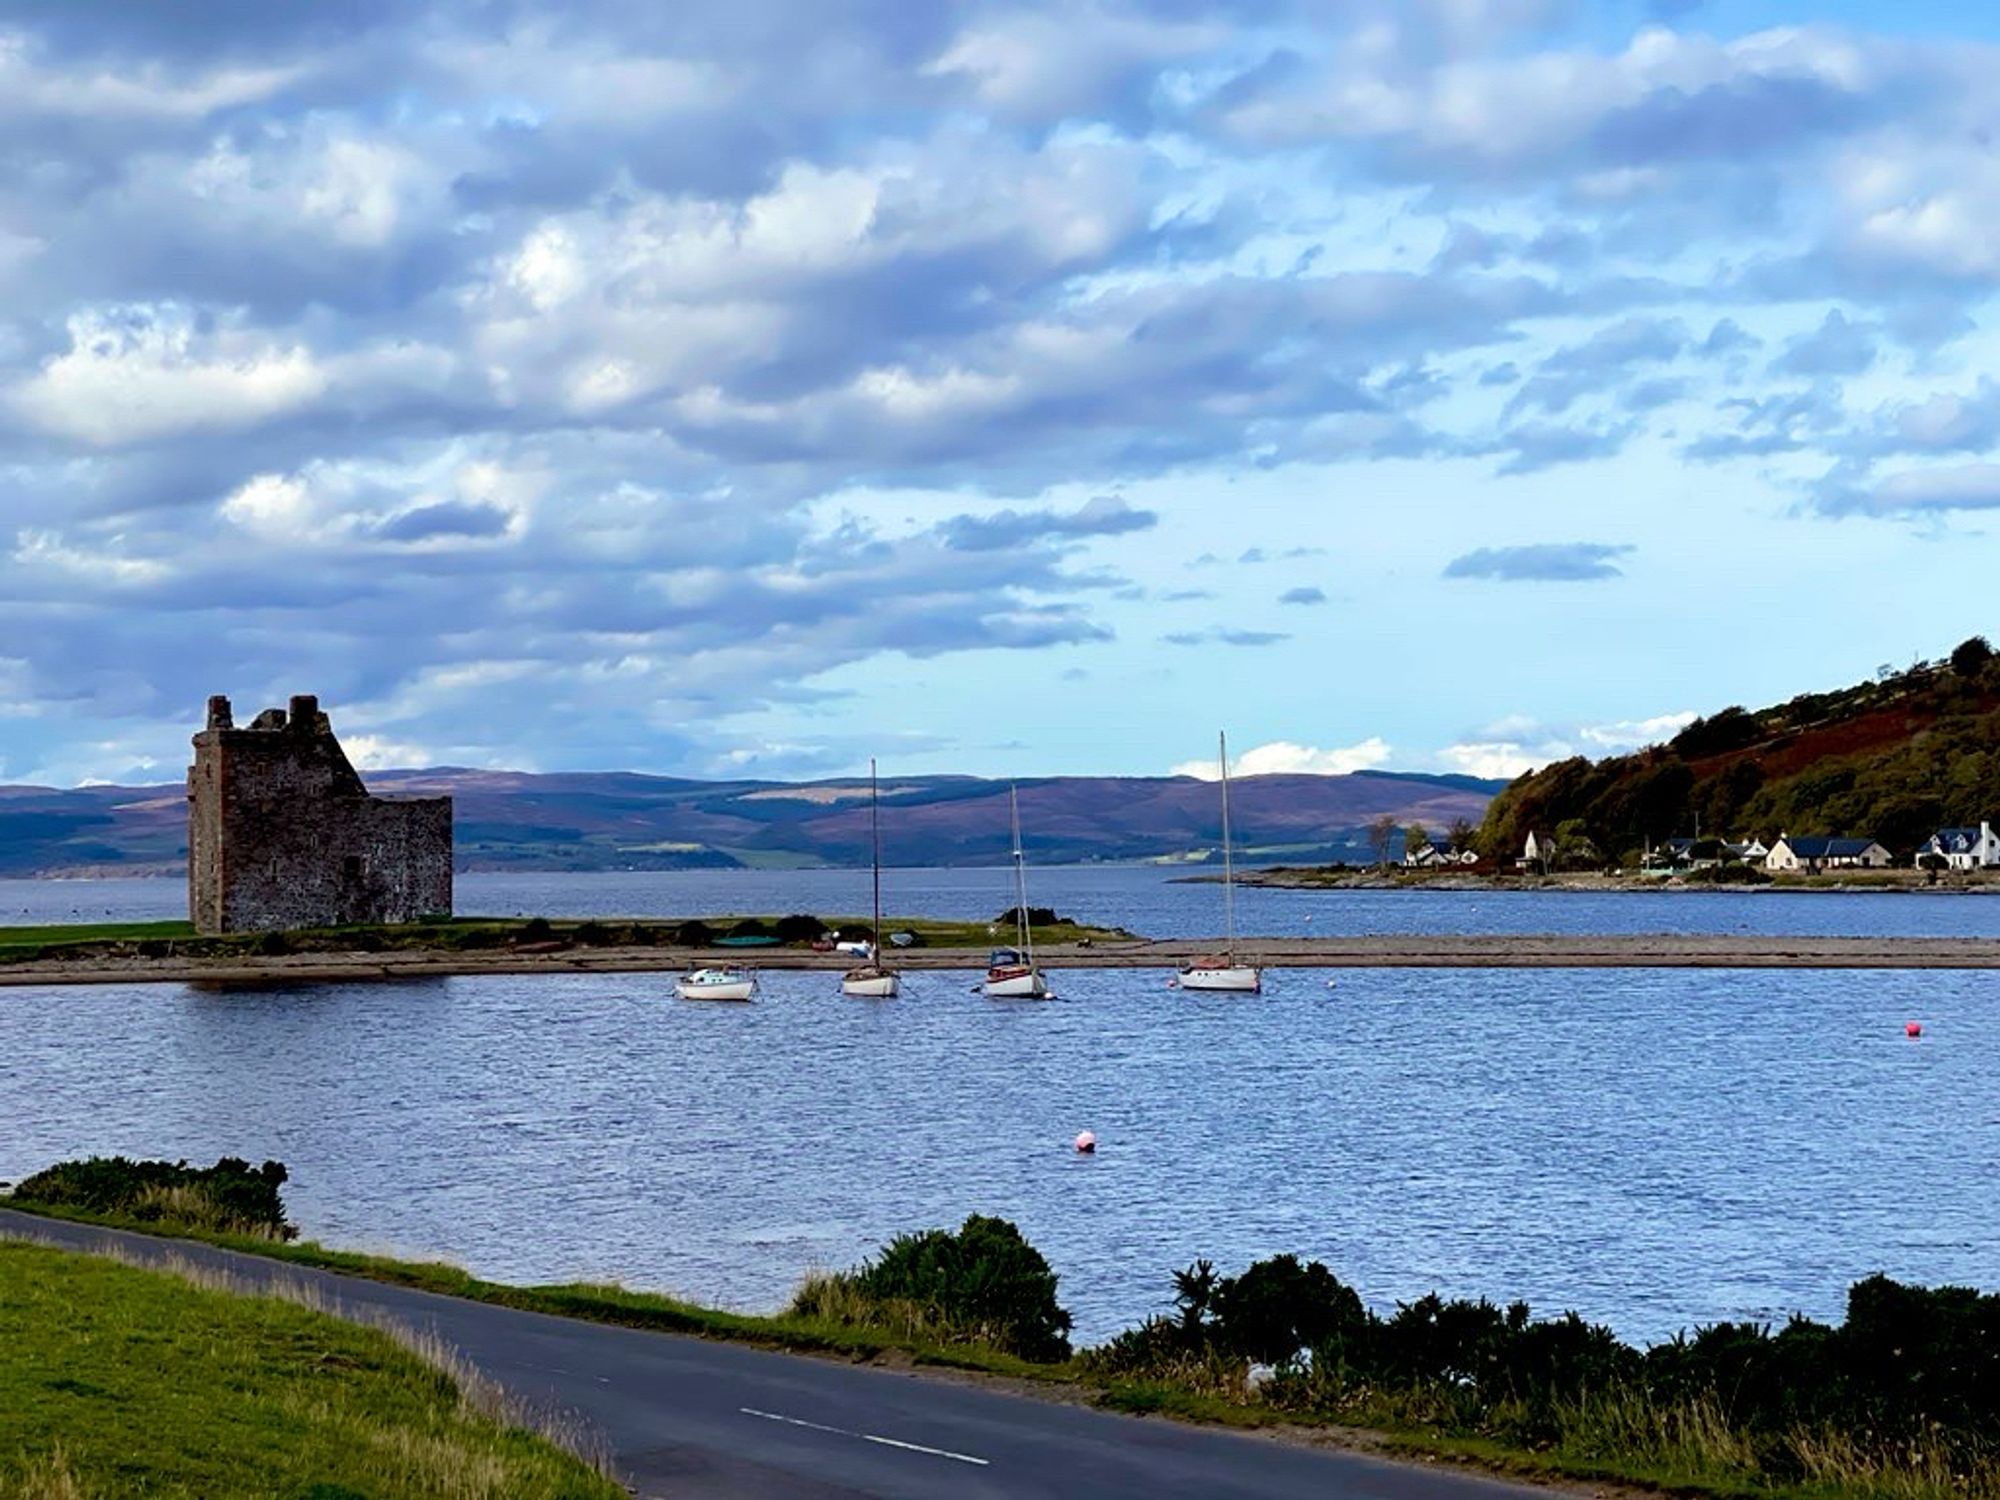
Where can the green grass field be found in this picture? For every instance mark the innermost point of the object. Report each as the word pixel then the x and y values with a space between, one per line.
pixel 117 1381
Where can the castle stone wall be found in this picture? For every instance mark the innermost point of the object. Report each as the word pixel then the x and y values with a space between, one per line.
pixel 282 833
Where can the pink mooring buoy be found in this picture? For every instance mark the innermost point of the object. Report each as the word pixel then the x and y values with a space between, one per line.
pixel 1086 1144
pixel 1914 1028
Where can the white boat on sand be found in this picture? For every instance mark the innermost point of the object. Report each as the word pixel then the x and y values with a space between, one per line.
pixel 1224 971
pixel 715 984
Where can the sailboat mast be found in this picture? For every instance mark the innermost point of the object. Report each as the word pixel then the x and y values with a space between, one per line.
pixel 1023 931
pixel 1228 865
pixel 875 840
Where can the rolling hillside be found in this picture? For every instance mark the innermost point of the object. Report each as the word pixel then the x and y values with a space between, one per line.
pixel 1891 759
pixel 586 821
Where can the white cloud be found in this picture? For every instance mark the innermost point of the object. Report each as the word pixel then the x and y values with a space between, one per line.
pixel 135 374
pixel 1284 758
pixel 1505 748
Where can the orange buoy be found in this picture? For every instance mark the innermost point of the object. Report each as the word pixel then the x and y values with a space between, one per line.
pixel 1914 1028
pixel 1086 1144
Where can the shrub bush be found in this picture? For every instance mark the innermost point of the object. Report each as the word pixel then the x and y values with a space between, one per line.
pixel 799 928
pixel 1038 916
pixel 696 934
pixel 1279 1307
pixel 983 1284
pixel 231 1196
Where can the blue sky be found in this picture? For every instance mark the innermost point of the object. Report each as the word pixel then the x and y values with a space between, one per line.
pixel 1013 388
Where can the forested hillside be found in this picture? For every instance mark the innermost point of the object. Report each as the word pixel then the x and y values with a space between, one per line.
pixel 1892 759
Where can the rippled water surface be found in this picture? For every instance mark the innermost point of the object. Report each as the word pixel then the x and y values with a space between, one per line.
pixel 1654 1148
pixel 1151 900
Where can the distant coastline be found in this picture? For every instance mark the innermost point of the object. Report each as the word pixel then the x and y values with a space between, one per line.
pixel 1897 882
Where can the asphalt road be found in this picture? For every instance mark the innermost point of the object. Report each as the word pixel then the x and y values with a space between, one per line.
pixel 694 1418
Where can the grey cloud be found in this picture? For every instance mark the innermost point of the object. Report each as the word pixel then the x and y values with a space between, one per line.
pixel 446 519
pixel 1303 595
pixel 1836 347
pixel 1910 493
pixel 1585 368
pixel 1552 562
pixel 1103 516
pixel 1529 450
pixel 1728 337
pixel 1224 637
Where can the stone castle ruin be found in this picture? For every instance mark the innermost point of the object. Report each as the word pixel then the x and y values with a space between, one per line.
pixel 282 833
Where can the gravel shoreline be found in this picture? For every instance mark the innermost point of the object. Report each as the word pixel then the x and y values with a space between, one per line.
pixel 1670 951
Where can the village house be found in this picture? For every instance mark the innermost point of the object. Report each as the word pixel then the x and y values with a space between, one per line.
pixel 1961 849
pixel 1703 854
pixel 1437 853
pixel 1814 854
pixel 1536 854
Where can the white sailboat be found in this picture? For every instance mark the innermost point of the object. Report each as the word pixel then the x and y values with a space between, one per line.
pixel 718 983
pixel 1010 972
pixel 872 981
pixel 1224 971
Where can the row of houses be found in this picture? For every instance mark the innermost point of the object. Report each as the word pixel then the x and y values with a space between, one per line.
pixel 1947 849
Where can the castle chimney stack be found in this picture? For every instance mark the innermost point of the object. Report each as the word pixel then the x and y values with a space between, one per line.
pixel 218 713
pixel 305 713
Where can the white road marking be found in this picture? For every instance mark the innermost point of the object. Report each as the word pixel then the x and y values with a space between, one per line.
pixel 866 1437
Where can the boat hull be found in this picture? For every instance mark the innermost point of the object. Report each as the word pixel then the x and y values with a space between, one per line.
pixel 1016 984
pixel 871 984
pixel 1239 979
pixel 714 986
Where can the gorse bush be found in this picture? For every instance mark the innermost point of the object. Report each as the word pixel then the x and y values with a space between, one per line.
pixel 1910 1378
pixel 983 1284
pixel 231 1197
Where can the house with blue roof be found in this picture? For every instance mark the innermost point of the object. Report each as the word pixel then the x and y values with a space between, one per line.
pixel 1812 854
pixel 1962 849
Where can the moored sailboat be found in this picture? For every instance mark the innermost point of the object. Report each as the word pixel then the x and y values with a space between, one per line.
pixel 716 984
pixel 1224 971
pixel 872 980
pixel 1010 972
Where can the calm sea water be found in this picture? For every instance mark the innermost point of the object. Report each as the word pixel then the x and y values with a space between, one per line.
pixel 1653 1148
pixel 1146 899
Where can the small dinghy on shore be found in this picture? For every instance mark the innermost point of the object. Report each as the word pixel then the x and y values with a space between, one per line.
pixel 715 984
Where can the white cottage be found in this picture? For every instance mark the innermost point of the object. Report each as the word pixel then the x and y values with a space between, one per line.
pixel 1963 848
pixel 1815 854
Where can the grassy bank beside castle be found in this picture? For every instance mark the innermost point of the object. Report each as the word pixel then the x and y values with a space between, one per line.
pixel 122 1381
pixel 83 942
pixel 1901 1399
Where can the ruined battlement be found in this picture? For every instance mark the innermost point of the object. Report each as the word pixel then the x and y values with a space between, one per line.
pixel 283 833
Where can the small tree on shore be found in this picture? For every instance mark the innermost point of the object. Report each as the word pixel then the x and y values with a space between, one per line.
pixel 1381 834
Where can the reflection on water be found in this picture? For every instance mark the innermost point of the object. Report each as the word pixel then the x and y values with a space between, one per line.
pixel 1652 1147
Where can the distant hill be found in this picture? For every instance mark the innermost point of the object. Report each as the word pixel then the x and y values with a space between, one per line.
pixel 614 820
pixel 1893 759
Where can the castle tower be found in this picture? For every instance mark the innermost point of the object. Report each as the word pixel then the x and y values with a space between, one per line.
pixel 282 833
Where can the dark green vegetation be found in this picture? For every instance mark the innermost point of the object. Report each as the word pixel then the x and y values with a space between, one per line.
pixel 1900 1399
pixel 128 940
pixel 1893 759
pixel 231 1197
pixel 983 1285
pixel 118 1381
pixel 1903 1397
pixel 572 821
